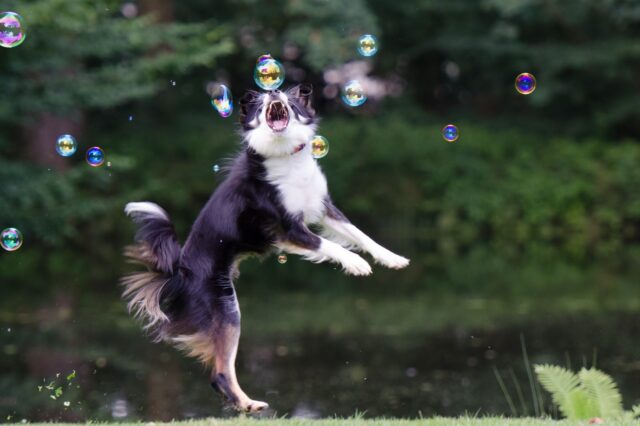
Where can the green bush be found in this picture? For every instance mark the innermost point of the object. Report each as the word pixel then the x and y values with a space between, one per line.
pixel 393 176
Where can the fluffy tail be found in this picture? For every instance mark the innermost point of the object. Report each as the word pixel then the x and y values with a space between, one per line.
pixel 158 249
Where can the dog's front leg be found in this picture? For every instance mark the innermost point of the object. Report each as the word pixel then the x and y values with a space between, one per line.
pixel 337 227
pixel 301 241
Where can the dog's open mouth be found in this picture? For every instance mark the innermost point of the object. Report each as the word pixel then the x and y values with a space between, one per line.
pixel 277 116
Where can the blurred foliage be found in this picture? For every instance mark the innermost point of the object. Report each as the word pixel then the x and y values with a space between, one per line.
pixel 464 56
pixel 316 33
pixel 84 54
pixel 557 168
pixel 501 185
pixel 523 193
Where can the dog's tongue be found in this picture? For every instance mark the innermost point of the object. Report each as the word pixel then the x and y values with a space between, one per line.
pixel 279 125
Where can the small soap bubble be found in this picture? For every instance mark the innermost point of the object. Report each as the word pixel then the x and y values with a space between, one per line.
pixel 129 10
pixel 173 82
pixel 11 239
pixel 353 94
pixel 131 118
pixel 525 83
pixel 282 259
pixel 95 156
pixel 66 145
pixel 269 73
pixel 216 168
pixel 319 146
pixel 263 58
pixel 368 45
pixel 450 133
pixel 222 100
pixel 66 403
pixel 12 32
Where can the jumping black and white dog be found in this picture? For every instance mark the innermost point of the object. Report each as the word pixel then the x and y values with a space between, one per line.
pixel 273 192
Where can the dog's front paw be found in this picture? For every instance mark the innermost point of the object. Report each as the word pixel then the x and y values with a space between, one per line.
pixel 390 260
pixel 355 265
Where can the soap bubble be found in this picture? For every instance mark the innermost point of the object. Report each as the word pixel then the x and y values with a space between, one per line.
pixel 222 100
pixel 66 145
pixel 12 32
pixel 282 259
pixel 11 239
pixel 319 146
pixel 353 94
pixel 368 45
pixel 216 168
pixel 269 73
pixel 525 83
pixel 450 133
pixel 95 156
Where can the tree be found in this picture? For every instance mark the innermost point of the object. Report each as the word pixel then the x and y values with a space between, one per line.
pixel 84 54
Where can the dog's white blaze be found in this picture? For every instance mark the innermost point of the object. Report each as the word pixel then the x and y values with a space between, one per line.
pixel 297 176
pixel 146 208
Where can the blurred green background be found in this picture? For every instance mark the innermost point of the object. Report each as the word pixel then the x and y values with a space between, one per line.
pixel 526 228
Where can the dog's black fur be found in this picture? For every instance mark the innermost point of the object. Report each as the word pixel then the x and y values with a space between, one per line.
pixel 188 296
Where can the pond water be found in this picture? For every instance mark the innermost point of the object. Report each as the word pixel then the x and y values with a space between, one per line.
pixel 119 374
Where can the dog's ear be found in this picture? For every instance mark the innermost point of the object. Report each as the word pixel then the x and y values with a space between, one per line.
pixel 247 105
pixel 303 93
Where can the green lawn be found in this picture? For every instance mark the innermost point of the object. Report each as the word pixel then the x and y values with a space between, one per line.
pixel 462 421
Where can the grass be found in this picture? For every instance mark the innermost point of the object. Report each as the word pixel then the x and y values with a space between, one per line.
pixel 438 421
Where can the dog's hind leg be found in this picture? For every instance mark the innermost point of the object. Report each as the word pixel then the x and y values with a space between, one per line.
pixel 226 335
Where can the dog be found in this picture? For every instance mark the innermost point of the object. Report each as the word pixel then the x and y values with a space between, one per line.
pixel 273 192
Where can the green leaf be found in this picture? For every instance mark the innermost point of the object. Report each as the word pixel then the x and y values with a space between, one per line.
pixel 564 388
pixel 602 391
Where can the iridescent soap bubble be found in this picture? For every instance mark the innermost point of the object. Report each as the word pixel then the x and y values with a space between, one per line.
pixel 269 73
pixel 95 156
pixel 282 259
pixel 525 83
pixel 222 100
pixel 216 168
pixel 66 145
pixel 11 239
pixel 353 94
pixel 368 45
pixel 319 146
pixel 12 31
pixel 450 133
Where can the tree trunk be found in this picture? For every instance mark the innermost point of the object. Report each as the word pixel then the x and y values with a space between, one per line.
pixel 161 9
pixel 41 137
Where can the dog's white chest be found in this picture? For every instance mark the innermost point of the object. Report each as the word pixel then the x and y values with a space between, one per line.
pixel 301 183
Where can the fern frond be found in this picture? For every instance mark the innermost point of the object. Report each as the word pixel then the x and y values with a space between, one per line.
pixel 564 387
pixel 602 391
